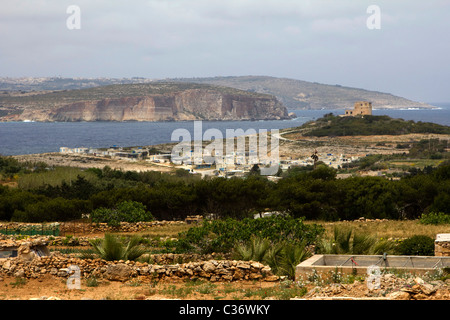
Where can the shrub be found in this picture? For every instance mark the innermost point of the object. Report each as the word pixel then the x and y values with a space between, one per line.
pixel 435 218
pixel 221 235
pixel 126 211
pixel 417 245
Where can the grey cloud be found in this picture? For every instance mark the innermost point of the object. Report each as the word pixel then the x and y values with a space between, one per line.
pixel 316 40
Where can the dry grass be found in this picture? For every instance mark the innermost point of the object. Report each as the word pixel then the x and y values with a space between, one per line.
pixel 395 229
pixel 170 231
pixel 387 229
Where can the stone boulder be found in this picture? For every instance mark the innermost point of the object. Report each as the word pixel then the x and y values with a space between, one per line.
pixel 25 253
pixel 118 272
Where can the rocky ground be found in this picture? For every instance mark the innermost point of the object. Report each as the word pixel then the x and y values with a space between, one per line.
pixel 392 287
pixel 54 288
pixel 203 278
pixel 207 278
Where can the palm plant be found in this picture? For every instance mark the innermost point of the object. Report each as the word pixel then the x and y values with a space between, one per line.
pixel 346 241
pixel 383 246
pixel 282 257
pixel 112 248
pixel 342 239
pixel 363 244
pixel 273 256
pixel 255 249
pixel 291 255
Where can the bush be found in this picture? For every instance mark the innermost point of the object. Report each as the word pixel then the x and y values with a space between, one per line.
pixel 435 218
pixel 126 211
pixel 222 235
pixel 417 245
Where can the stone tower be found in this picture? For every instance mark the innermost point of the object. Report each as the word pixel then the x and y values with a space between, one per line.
pixel 361 108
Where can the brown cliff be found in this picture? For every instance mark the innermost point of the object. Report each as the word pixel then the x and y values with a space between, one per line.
pixel 154 101
pixel 193 104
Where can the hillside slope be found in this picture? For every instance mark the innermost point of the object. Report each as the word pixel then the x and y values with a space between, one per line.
pixel 297 94
pixel 158 101
pixel 331 126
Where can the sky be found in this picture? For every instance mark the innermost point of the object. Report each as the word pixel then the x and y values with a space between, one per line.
pixel 402 48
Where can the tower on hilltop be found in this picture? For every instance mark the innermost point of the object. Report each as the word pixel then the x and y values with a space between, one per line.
pixel 361 108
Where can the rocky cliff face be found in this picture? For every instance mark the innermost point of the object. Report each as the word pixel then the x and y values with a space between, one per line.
pixel 193 104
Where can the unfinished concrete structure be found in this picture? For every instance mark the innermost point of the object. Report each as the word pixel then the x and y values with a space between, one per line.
pixel 359 264
pixel 25 250
pixel 361 108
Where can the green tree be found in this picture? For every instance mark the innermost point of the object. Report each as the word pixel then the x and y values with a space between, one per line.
pixel 255 170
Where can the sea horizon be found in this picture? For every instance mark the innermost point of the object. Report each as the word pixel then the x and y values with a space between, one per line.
pixel 18 138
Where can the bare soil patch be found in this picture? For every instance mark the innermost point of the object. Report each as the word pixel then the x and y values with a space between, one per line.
pixel 49 287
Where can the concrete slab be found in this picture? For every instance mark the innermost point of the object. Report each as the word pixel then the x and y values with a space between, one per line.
pixel 443 237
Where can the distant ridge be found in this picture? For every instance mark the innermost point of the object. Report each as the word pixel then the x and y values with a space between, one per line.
pixel 294 94
pixel 298 94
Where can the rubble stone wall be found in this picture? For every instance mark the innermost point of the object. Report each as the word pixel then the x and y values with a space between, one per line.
pixel 212 270
pixel 80 227
pixel 66 228
pixel 442 248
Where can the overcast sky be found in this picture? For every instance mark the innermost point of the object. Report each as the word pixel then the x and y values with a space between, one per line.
pixel 326 41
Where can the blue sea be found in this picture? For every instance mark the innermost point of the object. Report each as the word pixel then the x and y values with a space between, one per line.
pixel 38 137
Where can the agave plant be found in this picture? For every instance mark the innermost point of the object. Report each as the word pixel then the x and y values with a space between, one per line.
pixel 112 248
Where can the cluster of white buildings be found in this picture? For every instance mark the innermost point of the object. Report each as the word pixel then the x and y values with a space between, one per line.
pixel 331 160
pixel 234 164
pixel 112 152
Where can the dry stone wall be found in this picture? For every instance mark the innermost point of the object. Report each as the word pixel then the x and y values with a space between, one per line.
pixel 442 248
pixel 81 227
pixel 442 245
pixel 212 270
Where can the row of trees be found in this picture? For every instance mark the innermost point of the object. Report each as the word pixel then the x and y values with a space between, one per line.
pixel 314 194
